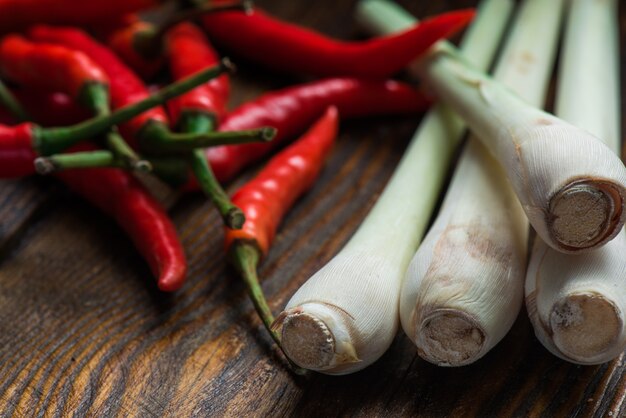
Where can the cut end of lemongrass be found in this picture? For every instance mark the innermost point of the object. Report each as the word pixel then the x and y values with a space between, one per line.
pixel 448 337
pixel 308 341
pixel 586 214
pixel 585 326
pixel 316 337
pixel 44 166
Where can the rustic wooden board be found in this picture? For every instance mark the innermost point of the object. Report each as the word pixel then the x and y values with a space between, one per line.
pixel 84 332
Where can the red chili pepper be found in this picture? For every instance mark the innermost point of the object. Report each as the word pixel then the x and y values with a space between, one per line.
pixel 289 48
pixel 268 196
pixel 16 150
pixel 18 14
pixel 189 51
pixel 54 68
pixel 265 199
pixel 125 86
pixel 291 109
pixel 121 196
pixel 124 42
pixel 51 109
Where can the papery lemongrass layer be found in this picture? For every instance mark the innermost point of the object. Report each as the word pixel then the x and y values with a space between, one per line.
pixel 346 315
pixel 464 287
pixel 577 303
pixel 570 184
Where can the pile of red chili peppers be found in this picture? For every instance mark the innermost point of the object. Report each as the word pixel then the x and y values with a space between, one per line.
pixel 61 75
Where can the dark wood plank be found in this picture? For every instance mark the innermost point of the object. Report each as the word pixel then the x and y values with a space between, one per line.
pixel 84 332
pixel 21 200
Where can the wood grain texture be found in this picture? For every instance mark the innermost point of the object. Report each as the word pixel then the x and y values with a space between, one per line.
pixel 84 331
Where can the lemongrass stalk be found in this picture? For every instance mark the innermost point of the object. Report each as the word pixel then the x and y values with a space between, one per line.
pixel 570 184
pixel 577 303
pixel 464 287
pixel 346 315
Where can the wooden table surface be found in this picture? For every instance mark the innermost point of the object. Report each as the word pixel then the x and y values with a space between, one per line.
pixel 84 331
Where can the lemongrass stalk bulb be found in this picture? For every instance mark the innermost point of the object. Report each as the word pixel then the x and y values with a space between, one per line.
pixel 570 184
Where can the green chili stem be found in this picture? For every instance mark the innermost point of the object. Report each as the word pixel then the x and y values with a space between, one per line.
pixel 87 159
pixel 156 138
pixel 200 123
pixel 173 171
pixel 98 100
pixel 245 258
pixel 54 140
pixel 10 102
pixel 124 152
pixel 95 96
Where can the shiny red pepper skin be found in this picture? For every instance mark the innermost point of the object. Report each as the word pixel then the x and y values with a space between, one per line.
pixel 51 109
pixel 292 109
pixel 122 42
pixel 16 150
pixel 266 198
pixel 121 196
pixel 18 14
pixel 292 49
pixel 49 67
pixel 189 51
pixel 125 86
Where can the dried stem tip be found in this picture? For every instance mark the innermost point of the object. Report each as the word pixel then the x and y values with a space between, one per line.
pixel 586 213
pixel 448 337
pixel 574 323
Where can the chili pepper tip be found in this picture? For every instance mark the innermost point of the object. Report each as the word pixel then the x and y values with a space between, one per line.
pixel 44 166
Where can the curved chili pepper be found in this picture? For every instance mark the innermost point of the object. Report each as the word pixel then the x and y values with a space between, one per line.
pixel 291 109
pixel 18 14
pixel 54 68
pixel 292 49
pixel 121 196
pixel 21 143
pixel 266 199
